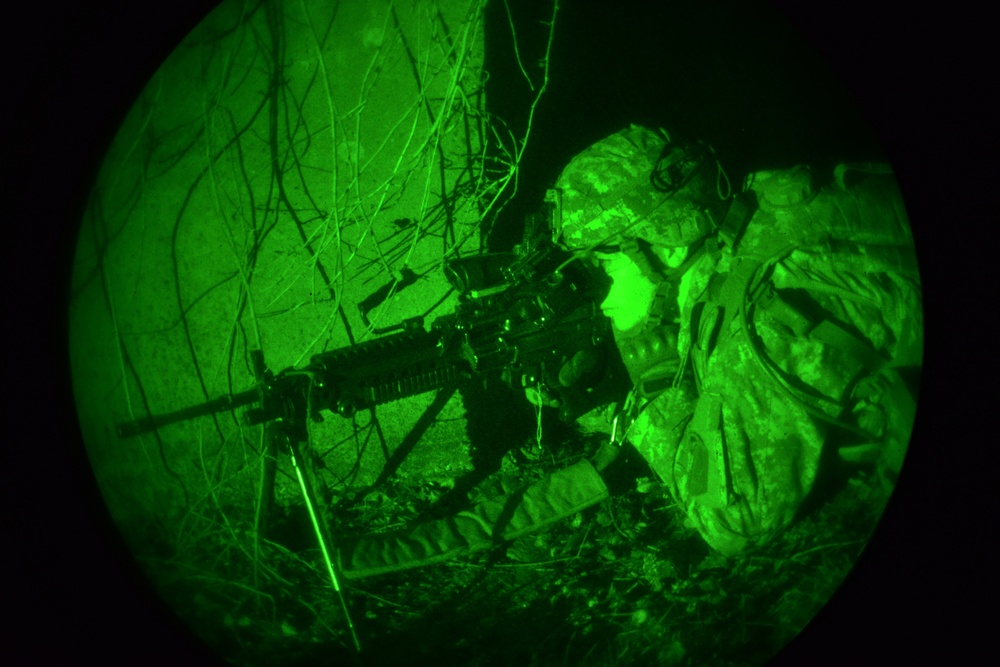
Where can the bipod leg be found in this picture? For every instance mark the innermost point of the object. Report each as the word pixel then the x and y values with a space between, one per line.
pixel 267 475
pixel 270 463
pixel 310 502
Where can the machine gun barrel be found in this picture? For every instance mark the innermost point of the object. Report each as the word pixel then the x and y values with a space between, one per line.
pixel 221 404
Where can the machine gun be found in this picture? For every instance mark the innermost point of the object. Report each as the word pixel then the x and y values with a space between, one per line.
pixel 522 314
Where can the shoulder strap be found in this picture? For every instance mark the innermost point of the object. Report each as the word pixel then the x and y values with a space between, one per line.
pixel 824 330
pixel 730 232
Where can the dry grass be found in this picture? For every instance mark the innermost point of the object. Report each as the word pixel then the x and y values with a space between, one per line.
pixel 623 583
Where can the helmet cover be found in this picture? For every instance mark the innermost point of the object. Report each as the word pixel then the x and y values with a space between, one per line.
pixel 637 183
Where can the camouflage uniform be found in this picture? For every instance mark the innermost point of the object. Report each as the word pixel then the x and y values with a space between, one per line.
pixel 790 328
pixel 778 336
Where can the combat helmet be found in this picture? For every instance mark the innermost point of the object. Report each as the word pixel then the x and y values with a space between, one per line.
pixel 631 192
pixel 619 188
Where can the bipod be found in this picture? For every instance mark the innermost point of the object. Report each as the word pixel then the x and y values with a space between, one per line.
pixel 289 435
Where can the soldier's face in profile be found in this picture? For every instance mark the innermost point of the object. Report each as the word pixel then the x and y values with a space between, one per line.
pixel 631 293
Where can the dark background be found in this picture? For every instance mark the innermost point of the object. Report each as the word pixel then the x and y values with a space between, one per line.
pixel 733 73
pixel 920 80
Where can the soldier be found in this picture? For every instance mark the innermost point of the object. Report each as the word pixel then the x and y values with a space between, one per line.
pixel 765 333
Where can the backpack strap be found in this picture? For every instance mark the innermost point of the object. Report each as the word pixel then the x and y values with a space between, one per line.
pixel 824 330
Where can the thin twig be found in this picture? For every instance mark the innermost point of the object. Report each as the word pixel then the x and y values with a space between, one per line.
pixel 823 547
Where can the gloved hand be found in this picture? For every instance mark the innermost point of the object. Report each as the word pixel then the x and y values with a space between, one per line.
pixel 567 388
pixel 605 456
